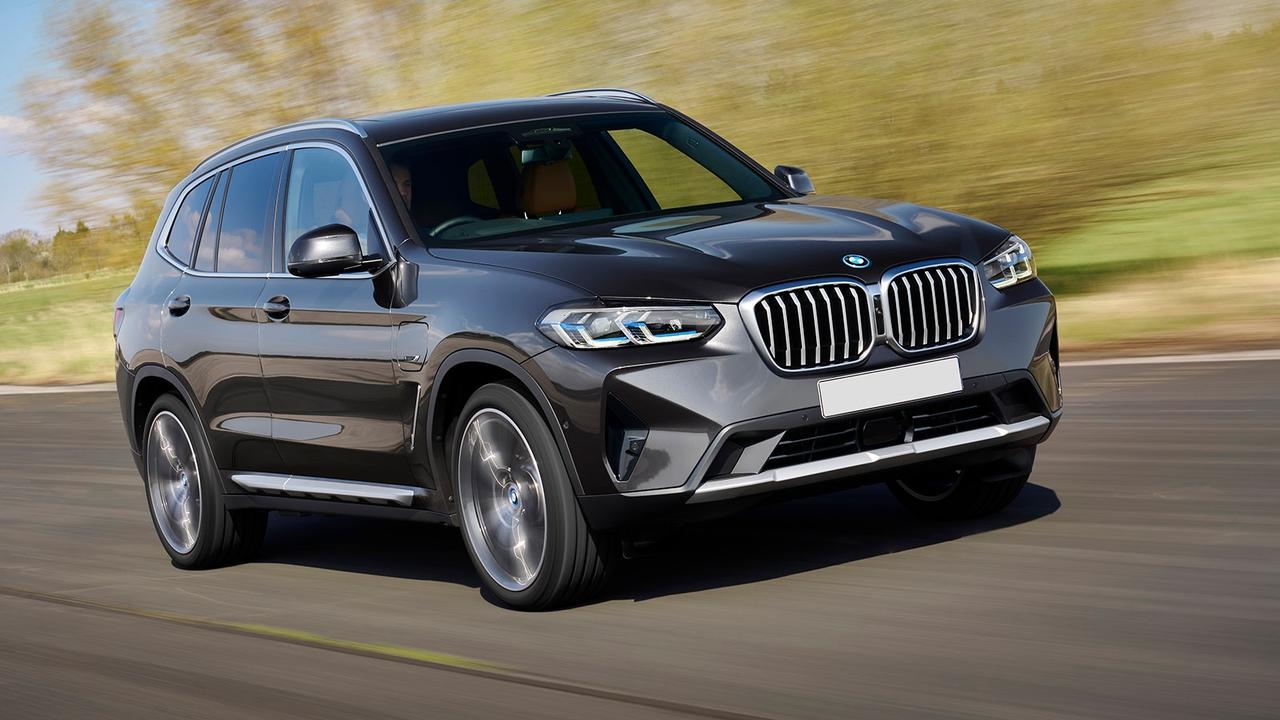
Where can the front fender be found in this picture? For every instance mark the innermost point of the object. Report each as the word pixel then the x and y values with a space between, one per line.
pixel 436 423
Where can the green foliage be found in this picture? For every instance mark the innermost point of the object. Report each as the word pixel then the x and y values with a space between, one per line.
pixel 1013 110
pixel 22 255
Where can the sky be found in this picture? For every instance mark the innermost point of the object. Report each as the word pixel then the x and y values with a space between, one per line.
pixel 20 43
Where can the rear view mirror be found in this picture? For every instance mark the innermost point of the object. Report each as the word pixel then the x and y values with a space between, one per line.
pixel 327 251
pixel 795 178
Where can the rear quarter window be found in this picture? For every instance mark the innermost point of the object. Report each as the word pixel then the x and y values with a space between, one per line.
pixel 186 222
pixel 209 234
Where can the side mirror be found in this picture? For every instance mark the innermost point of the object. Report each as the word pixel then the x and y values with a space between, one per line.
pixel 327 251
pixel 795 178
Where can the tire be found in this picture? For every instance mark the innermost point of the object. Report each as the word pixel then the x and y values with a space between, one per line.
pixel 520 520
pixel 195 527
pixel 956 494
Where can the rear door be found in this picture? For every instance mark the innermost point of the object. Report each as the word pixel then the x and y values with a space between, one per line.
pixel 210 330
pixel 326 344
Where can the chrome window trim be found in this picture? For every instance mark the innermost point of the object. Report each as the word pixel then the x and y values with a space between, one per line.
pixel 162 243
pixel 364 188
pixel 747 309
pixel 893 273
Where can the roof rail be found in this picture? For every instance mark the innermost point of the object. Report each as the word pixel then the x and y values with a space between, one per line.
pixel 325 123
pixel 616 93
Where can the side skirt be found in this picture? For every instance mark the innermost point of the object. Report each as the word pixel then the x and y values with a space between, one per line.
pixel 308 506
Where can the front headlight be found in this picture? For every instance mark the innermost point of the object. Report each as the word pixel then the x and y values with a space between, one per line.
pixel 1010 264
pixel 597 328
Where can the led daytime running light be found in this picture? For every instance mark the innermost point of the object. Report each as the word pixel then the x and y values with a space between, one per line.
pixel 601 328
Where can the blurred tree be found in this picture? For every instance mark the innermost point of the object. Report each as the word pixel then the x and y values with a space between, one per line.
pixel 19 253
pixel 1015 110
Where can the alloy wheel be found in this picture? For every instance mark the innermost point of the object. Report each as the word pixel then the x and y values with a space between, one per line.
pixel 502 499
pixel 173 480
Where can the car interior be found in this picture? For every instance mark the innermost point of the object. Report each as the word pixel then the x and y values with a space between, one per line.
pixel 495 183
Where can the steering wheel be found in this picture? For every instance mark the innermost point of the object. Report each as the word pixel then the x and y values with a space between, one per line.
pixel 453 222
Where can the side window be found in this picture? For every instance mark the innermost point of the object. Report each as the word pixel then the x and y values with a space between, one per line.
pixel 675 179
pixel 209 235
pixel 186 222
pixel 244 236
pixel 324 189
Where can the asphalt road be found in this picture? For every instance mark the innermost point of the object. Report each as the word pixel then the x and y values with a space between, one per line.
pixel 1138 576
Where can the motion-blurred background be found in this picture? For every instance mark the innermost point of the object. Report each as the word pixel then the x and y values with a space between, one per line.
pixel 1134 143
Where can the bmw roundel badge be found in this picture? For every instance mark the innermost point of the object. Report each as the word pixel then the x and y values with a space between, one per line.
pixel 856 261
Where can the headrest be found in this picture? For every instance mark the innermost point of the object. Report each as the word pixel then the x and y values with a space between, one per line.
pixel 547 188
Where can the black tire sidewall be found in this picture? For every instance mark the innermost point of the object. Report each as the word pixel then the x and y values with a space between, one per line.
pixel 561 505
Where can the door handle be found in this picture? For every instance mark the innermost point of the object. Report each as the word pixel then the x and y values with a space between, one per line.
pixel 179 306
pixel 277 308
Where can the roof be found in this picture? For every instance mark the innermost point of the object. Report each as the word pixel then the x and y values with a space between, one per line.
pixel 407 124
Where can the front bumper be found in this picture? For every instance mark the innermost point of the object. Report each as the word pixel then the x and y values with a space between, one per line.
pixel 994 418
pixel 714 422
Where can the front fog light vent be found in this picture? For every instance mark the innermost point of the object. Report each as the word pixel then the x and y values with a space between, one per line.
pixel 624 438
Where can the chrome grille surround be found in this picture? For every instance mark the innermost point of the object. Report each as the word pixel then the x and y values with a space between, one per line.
pixel 914 309
pixel 811 324
pixel 932 305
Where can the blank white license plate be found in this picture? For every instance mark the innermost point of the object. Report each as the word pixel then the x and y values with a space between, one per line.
pixel 889 387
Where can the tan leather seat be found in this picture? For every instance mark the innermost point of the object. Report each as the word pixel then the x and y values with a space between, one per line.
pixel 547 188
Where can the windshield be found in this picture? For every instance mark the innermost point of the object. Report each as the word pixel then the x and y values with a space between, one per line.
pixel 554 173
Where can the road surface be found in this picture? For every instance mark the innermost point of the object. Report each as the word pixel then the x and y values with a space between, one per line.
pixel 1137 576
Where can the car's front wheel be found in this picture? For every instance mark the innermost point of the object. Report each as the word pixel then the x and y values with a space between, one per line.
pixel 195 527
pixel 520 520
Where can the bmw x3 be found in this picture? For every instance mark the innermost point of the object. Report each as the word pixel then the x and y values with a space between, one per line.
pixel 561 324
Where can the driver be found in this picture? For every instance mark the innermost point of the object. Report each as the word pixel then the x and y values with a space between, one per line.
pixel 404 183
pixel 436 197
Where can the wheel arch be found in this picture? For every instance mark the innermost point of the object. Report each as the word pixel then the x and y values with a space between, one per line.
pixel 461 374
pixel 150 382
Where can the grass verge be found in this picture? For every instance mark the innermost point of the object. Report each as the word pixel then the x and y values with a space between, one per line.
pixel 58 331
pixel 1170 225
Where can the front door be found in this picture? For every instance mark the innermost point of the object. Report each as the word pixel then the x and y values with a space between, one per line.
pixel 326 345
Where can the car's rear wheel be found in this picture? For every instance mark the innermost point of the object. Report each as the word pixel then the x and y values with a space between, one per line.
pixel 520 520
pixel 956 494
pixel 184 496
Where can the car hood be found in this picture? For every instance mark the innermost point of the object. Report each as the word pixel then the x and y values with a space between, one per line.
pixel 721 254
